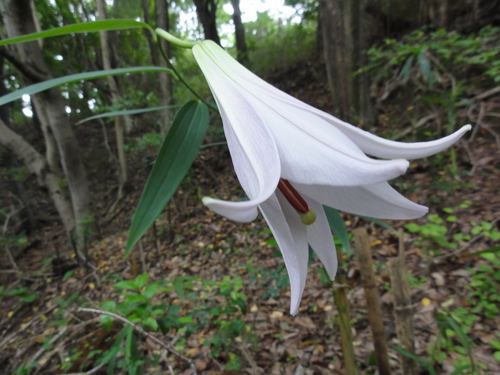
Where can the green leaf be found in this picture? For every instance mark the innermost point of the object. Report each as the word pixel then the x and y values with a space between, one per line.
pixel 404 75
pixel 28 297
pixel 127 284
pixel 176 156
pixel 460 369
pixel 151 289
pixel 126 112
pixel 80 28
pixel 495 344
pixel 425 66
pixel 141 280
pixel 45 85
pixel 108 305
pixel 338 227
pixel 152 323
pixel 129 345
pixel 427 365
pixel 136 298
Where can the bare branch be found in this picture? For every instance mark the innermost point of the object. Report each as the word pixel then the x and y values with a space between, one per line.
pixel 28 71
pixel 139 329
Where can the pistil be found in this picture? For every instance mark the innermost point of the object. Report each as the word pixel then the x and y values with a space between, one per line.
pixel 307 216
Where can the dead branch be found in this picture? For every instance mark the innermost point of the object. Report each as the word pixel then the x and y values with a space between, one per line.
pixel 26 70
pixel 444 257
pixel 141 331
pixel 419 124
pixel 44 348
pixel 90 372
pixel 477 98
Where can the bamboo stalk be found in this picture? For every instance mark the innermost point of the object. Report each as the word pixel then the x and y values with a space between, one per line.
pixel 403 309
pixel 339 290
pixel 369 282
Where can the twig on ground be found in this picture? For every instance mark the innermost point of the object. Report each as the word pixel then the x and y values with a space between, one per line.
pixel 420 123
pixel 27 325
pixel 479 97
pixel 44 348
pixel 139 329
pixel 249 358
pixel 463 249
pixel 90 372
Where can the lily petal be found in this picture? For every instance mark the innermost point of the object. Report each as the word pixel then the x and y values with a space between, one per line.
pixel 253 150
pixel 307 154
pixel 379 201
pixel 322 154
pixel 384 148
pixel 320 238
pixel 290 234
pixel 367 142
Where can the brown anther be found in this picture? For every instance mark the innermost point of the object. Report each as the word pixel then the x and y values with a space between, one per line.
pixel 293 196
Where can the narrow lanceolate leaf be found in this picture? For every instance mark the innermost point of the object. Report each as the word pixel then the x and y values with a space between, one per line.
pixel 425 67
pixel 86 27
pixel 176 156
pixel 404 75
pixel 126 112
pixel 338 227
pixel 45 85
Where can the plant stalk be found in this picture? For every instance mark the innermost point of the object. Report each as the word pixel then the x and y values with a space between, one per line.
pixel 339 290
pixel 403 309
pixel 369 281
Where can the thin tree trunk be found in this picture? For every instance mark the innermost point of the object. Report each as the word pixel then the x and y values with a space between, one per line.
pixel 207 10
pixel 239 30
pixel 344 42
pixel 152 45
pixel 115 97
pixel 50 106
pixel 162 22
pixel 333 44
pixel 36 164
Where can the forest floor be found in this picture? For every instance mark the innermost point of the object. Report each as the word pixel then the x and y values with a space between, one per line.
pixel 211 264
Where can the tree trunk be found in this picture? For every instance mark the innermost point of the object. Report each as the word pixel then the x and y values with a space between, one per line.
pixel 333 44
pixel 152 45
pixel 115 97
pixel 207 10
pixel 50 106
pixel 36 164
pixel 162 22
pixel 239 30
pixel 344 42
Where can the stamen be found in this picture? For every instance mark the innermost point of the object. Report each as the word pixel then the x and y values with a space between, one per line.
pixel 307 216
pixel 293 196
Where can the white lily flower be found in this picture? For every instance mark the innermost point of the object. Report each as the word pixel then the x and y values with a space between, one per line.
pixel 316 159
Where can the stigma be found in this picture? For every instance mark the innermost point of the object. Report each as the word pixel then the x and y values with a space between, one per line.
pixel 307 216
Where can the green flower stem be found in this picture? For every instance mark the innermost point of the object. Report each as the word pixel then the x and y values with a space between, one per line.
pixel 172 67
pixel 174 40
